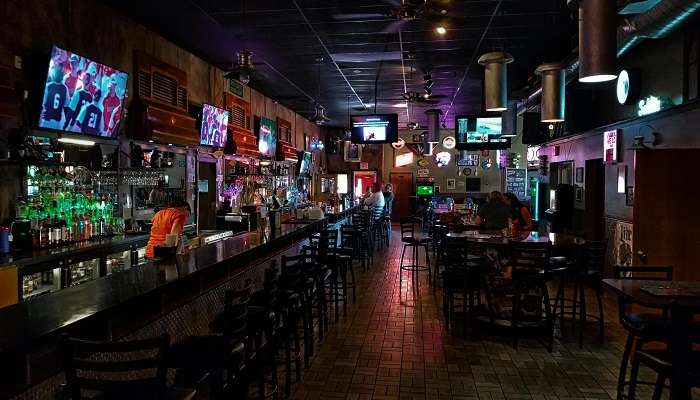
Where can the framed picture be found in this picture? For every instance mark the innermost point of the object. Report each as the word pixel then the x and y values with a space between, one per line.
pixel 629 196
pixel 437 189
pixel 579 175
pixel 353 152
pixel 451 184
pixel 579 194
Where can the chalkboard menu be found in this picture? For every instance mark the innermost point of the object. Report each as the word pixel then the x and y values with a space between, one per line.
pixel 516 182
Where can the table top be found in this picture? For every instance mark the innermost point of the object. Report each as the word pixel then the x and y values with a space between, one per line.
pixel 682 293
pixel 496 238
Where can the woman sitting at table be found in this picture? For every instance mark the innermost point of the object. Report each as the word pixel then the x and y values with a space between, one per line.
pixel 494 213
pixel 520 213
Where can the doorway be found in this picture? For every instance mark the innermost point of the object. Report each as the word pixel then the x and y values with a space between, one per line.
pixel 362 180
pixel 594 199
pixel 403 190
pixel 206 198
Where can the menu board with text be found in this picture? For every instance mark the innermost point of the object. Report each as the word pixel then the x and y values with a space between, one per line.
pixel 516 182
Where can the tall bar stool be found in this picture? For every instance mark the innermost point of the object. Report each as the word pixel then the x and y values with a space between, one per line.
pixel 532 309
pixel 379 227
pixel 298 278
pixel 588 273
pixel 413 242
pixel 642 327
pixel 133 369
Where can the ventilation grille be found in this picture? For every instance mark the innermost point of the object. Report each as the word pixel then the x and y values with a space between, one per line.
pixel 165 89
pixel 182 97
pixel 144 84
pixel 237 117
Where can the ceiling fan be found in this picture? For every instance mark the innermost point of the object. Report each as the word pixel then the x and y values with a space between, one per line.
pixel 402 11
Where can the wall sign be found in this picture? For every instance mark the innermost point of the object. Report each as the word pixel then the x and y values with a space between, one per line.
pixel 442 159
pixel 449 142
pixel 364 166
pixel 516 182
pixel 628 87
pixel 422 163
pixel 423 172
pixel 471 160
pixel 402 160
pixel 235 87
pixel 610 146
pixel 399 144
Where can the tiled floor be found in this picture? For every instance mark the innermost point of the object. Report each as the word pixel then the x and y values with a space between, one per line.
pixel 393 345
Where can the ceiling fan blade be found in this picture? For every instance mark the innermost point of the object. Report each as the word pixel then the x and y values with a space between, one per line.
pixel 394 26
pixel 357 16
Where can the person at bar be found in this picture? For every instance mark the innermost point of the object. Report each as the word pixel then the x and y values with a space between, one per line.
pixel 494 213
pixel 376 199
pixel 389 198
pixel 520 213
pixel 169 220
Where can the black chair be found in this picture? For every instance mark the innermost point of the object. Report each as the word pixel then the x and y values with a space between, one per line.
pixel 660 362
pixel 413 242
pixel 650 325
pixel 380 230
pixel 133 369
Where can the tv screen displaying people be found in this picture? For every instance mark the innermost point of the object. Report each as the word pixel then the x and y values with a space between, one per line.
pixel 214 126
pixel 375 129
pixel 82 96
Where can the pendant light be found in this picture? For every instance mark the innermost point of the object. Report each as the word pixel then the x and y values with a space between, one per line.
pixel 553 92
pixel 597 41
pixel 495 80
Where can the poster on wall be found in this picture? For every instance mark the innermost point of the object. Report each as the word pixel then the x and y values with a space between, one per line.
pixel 352 152
pixel 620 234
pixel 610 146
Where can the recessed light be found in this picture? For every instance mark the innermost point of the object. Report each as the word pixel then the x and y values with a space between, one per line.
pixel 441 30
pixel 426 96
pixel 399 105
pixel 150 141
pixel 597 78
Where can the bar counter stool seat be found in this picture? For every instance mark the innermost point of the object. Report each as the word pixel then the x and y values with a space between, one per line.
pixel 413 242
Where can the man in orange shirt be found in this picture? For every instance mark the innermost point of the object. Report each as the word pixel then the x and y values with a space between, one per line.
pixel 170 220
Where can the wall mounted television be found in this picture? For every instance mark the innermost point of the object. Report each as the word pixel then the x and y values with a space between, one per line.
pixel 82 96
pixel 425 190
pixel 374 129
pixel 480 132
pixel 267 137
pixel 214 127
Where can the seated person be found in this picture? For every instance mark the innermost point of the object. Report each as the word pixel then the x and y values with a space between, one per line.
pixel 376 199
pixel 494 213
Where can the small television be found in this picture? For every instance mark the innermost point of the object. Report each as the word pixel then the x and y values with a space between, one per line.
pixel 82 96
pixel 267 137
pixel 304 163
pixel 374 129
pixel 214 127
pixel 480 132
pixel 425 190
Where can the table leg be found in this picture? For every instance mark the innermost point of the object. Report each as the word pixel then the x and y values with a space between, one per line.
pixel 680 348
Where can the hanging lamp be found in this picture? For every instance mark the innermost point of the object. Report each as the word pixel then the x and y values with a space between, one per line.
pixel 553 102
pixel 496 80
pixel 597 41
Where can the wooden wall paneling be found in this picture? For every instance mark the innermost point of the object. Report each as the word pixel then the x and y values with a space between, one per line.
pixel 665 184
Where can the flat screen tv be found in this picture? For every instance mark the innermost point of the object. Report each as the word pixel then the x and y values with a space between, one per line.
pixel 214 126
pixel 425 190
pixel 82 96
pixel 374 129
pixel 304 163
pixel 480 132
pixel 267 137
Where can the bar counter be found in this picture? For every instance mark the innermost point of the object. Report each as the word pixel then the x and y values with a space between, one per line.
pixel 121 304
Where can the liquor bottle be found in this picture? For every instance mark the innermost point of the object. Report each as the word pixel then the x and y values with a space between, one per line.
pixel 43 234
pixel 75 230
pixel 88 227
pixel 57 233
pixel 81 219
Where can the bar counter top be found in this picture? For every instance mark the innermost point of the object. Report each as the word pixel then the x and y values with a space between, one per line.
pixel 44 255
pixel 27 322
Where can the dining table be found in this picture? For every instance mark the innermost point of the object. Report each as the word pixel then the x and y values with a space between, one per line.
pixel 496 238
pixel 682 299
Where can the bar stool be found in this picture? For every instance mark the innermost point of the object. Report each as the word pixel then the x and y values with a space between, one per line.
pixel 298 280
pixel 588 273
pixel 379 227
pixel 133 369
pixel 410 240
pixel 641 327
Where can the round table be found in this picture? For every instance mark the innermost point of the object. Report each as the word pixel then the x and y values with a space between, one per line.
pixel 496 238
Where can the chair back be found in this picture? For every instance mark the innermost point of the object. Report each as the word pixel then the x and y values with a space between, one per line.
pixel 592 260
pixel 348 237
pixel 408 227
pixel 377 213
pixel 530 258
pixel 113 370
pixel 643 273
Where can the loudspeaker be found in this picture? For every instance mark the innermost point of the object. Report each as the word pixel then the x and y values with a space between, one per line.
pixel 533 132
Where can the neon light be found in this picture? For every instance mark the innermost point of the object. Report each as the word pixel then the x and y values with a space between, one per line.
pixel 649 105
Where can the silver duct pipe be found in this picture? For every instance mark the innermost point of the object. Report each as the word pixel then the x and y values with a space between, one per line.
pixel 656 23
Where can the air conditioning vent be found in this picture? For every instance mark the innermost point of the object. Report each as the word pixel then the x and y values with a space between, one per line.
pixel 182 97
pixel 237 117
pixel 144 84
pixel 165 89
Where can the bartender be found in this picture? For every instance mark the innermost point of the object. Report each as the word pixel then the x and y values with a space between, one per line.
pixel 169 220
